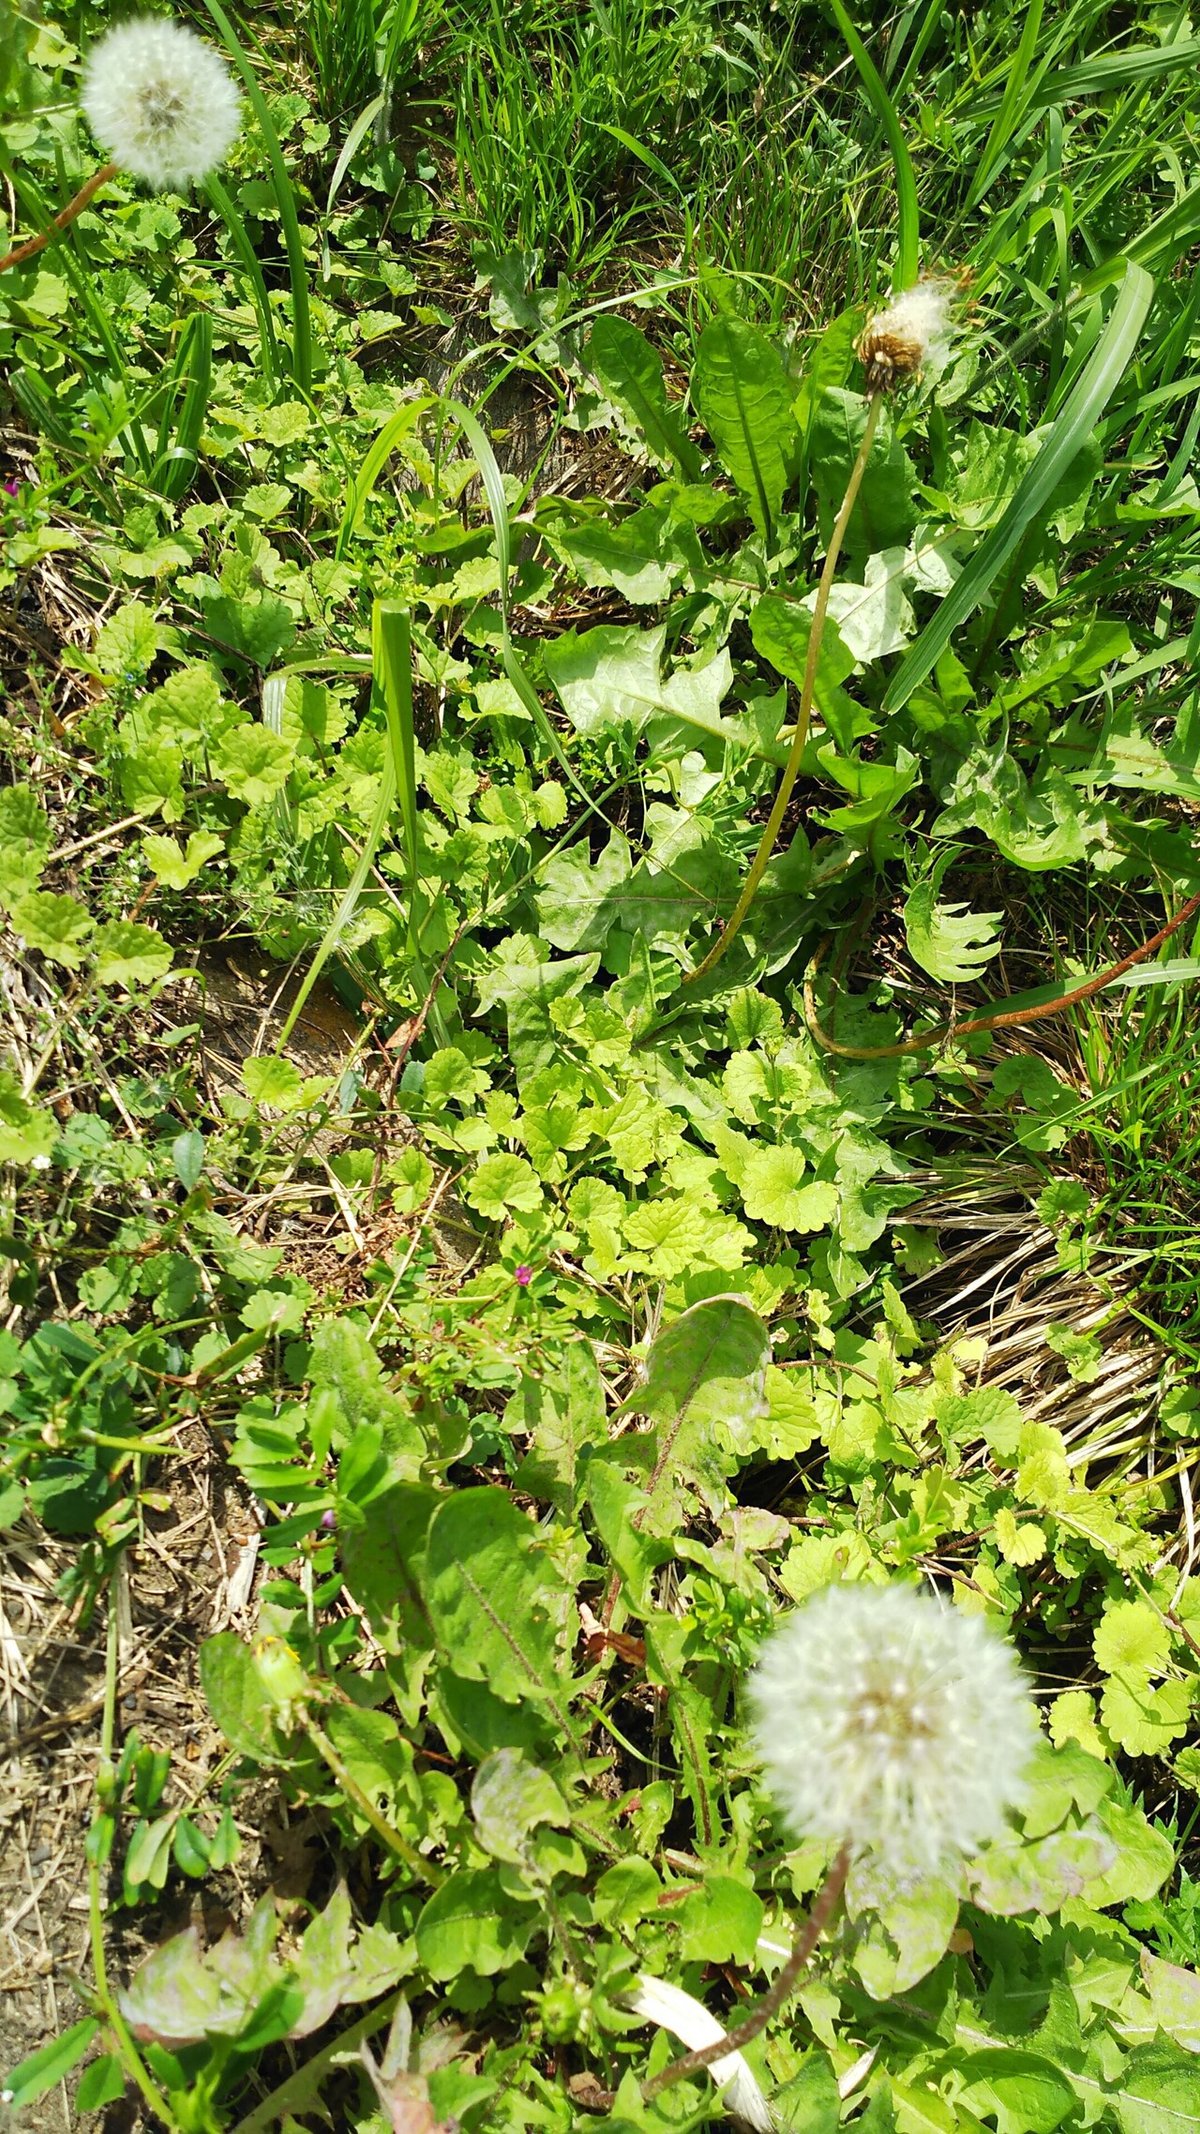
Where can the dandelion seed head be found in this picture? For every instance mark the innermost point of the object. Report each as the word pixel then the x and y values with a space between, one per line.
pixel 161 101
pixel 913 331
pixel 891 1722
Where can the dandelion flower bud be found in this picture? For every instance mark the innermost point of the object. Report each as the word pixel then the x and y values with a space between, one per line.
pixel 161 101
pixel 891 1723
pixel 900 341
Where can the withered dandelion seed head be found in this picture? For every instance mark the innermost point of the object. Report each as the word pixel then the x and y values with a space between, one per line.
pixel 899 341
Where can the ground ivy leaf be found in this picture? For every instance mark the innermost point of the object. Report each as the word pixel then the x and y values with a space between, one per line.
pixel 253 764
pixel 501 1184
pixel 1131 1639
pixel 772 1191
pixel 129 955
pixel 57 926
pixel 24 841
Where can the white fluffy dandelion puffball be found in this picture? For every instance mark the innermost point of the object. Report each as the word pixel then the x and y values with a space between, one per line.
pixel 911 332
pixel 161 101
pixel 893 1723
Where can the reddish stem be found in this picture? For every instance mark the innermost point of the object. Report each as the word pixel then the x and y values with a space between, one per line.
pixel 64 217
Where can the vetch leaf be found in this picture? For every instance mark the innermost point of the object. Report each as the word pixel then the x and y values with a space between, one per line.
pixel 47 2067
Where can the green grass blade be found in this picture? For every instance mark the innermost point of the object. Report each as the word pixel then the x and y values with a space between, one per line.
pixel 178 454
pixel 1012 106
pixel 391 670
pixel 302 347
pixel 908 234
pixel 1070 429
pixel 1130 69
pixel 394 430
pixel 362 125
pixel 235 226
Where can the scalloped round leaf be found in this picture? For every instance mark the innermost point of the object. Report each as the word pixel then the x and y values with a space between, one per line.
pixel 130 955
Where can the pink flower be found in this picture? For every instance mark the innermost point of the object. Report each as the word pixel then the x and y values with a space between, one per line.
pixel 522 1276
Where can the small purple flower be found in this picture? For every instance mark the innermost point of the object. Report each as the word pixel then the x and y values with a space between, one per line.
pixel 12 488
pixel 522 1276
pixel 329 1518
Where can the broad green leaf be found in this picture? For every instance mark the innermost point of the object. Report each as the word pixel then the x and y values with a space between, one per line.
pixel 1131 1639
pixel 344 1366
pixel 875 617
pixel 188 711
pixel 127 643
pixel 781 630
pixel 177 866
pixel 501 1184
pixel 24 841
pixel 1145 1721
pixel 101 2083
pixel 744 398
pixel 1039 1877
pixel 260 629
pixel 885 510
pixel 631 372
pixel 704 1393
pixel 773 1192
pixel 27 1134
pixel 510 1798
pixel 1025 2093
pixel 233 1691
pixel 1155 2092
pixel 269 1079
pixel 904 1937
pixel 129 955
pixel 253 764
pixel 644 556
pixel 57 926
pixel 472 1924
pixel 383 1521
pixel 720 1923
pixel 497 1598
pixel 1174 1999
pixel 611 677
pixel 560 1410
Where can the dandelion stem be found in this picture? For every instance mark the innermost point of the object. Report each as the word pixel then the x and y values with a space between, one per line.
pixel 823 1907
pixel 62 220
pixel 807 692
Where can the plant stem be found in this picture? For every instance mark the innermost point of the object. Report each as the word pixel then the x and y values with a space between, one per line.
pixel 823 1906
pixel 791 769
pixel 1006 1019
pixel 298 2087
pixel 130 2056
pixel 366 1807
pixel 65 216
